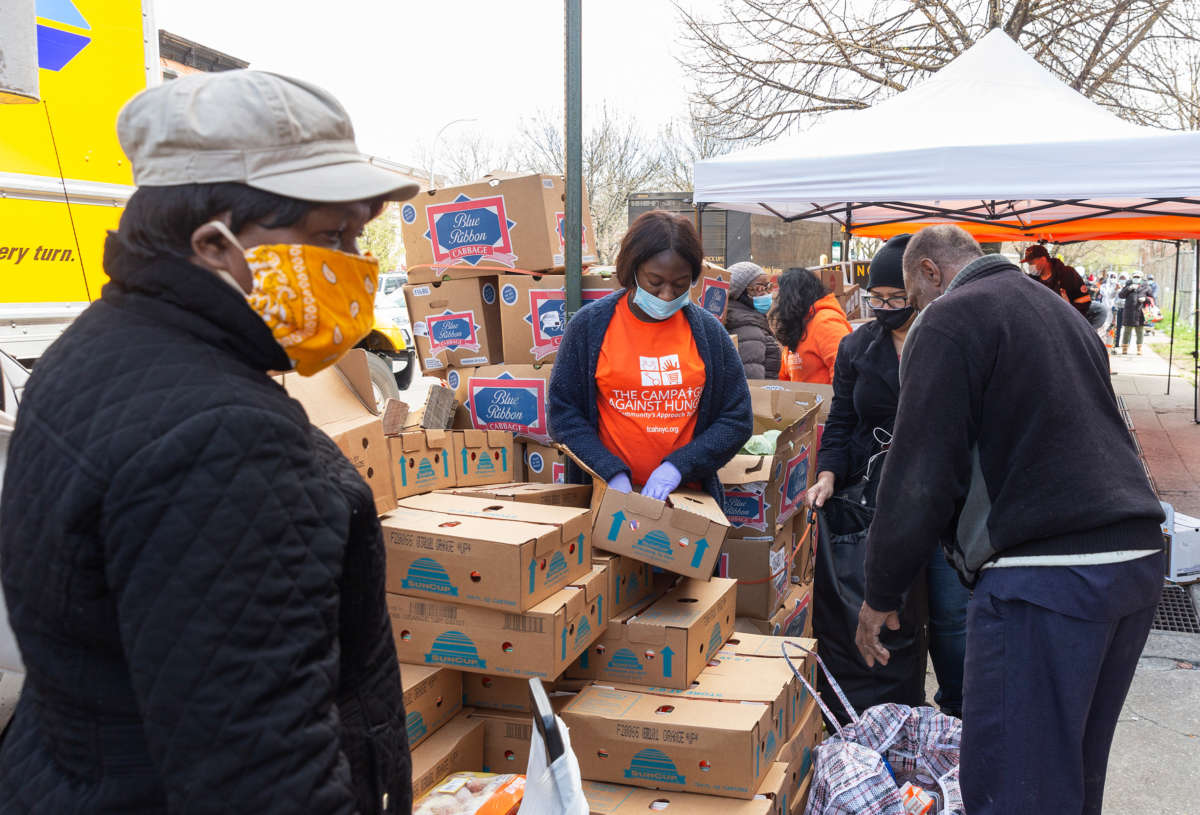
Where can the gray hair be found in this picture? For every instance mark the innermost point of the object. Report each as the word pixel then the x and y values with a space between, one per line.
pixel 949 246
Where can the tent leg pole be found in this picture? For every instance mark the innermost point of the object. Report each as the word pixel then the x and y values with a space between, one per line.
pixel 1196 331
pixel 1174 317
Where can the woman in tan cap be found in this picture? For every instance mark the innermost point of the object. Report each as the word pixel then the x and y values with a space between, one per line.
pixel 195 573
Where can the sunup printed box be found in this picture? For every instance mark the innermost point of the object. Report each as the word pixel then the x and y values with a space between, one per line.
pixel 652 741
pixel 506 397
pixel 431 698
pixel 744 649
pixel 630 581
pixel 541 642
pixel 667 643
pixel 544 464
pixel 763 569
pixel 740 680
pixel 683 534
pixel 422 460
pixel 620 799
pixel 711 291
pixel 457 747
pixel 497 223
pixel 456 323
pixel 483 457
pixel 764 492
pixel 533 312
pixel 340 401
pixel 551 495
pixel 484 553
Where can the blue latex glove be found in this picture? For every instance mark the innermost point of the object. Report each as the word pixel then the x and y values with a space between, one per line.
pixel 662 482
pixel 620 483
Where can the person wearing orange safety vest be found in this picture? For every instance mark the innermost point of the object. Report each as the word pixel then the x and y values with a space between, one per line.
pixel 1058 277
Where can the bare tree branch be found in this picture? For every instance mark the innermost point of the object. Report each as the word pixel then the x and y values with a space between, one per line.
pixel 763 67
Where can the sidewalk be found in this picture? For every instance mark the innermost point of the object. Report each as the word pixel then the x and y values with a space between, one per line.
pixel 1163 425
pixel 1156 748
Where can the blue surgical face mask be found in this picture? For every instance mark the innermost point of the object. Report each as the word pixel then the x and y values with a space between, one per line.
pixel 762 303
pixel 655 307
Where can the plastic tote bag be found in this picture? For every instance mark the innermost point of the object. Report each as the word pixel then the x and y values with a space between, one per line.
pixel 552 782
pixel 861 769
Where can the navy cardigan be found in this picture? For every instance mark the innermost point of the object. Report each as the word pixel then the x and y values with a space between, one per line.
pixel 724 420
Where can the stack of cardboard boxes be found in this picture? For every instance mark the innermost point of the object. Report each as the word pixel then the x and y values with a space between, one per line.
pixel 487 300
pixel 770 543
pixel 609 599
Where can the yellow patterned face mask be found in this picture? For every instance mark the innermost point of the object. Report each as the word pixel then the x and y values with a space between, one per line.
pixel 318 302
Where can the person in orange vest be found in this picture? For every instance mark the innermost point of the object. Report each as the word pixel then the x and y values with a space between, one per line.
pixel 809 322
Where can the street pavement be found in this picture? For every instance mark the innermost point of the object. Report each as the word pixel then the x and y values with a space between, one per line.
pixel 1156 750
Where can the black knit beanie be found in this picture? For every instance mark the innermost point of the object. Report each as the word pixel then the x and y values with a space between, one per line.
pixel 887 268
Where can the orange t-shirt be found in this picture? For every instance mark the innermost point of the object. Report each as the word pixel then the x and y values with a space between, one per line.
pixel 649 379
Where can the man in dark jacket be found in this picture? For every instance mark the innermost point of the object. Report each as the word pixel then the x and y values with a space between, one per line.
pixel 193 571
pixel 1060 278
pixel 994 373
pixel 749 298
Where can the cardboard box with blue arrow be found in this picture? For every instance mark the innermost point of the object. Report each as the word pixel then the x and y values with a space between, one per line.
pixel 484 552
pixel 682 534
pixel 483 457
pixel 671 743
pixel 540 642
pixel 667 642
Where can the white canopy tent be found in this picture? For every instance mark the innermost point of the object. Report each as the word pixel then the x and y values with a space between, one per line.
pixel 994 142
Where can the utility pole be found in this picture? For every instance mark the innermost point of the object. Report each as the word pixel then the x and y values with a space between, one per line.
pixel 573 212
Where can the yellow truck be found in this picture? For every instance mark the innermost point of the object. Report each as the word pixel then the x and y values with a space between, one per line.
pixel 64 179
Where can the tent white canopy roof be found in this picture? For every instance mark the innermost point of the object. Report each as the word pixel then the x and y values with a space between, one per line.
pixel 992 141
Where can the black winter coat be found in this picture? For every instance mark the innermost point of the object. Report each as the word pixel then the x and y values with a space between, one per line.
pixel 756 345
pixel 1135 296
pixel 194 574
pixel 866 393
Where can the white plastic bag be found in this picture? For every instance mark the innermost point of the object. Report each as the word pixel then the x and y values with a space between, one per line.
pixel 554 790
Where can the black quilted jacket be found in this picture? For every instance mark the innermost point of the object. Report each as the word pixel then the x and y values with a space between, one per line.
pixel 194 574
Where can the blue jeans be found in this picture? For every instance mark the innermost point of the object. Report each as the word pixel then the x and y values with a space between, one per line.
pixel 947 631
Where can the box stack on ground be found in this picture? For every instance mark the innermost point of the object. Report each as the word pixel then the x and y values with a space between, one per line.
pixel 650 623
pixel 628 609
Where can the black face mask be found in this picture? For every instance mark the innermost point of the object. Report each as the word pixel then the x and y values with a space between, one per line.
pixel 893 319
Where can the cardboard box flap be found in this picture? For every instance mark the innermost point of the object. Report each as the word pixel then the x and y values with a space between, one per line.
pixel 571 522
pixel 646 507
pixel 593 583
pixel 758 645
pixel 474 438
pixel 425 439
pixel 568 603
pixel 338 393
pixel 699 504
pixel 746 469
pixel 687 602
pixel 694 714
pixel 516 533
